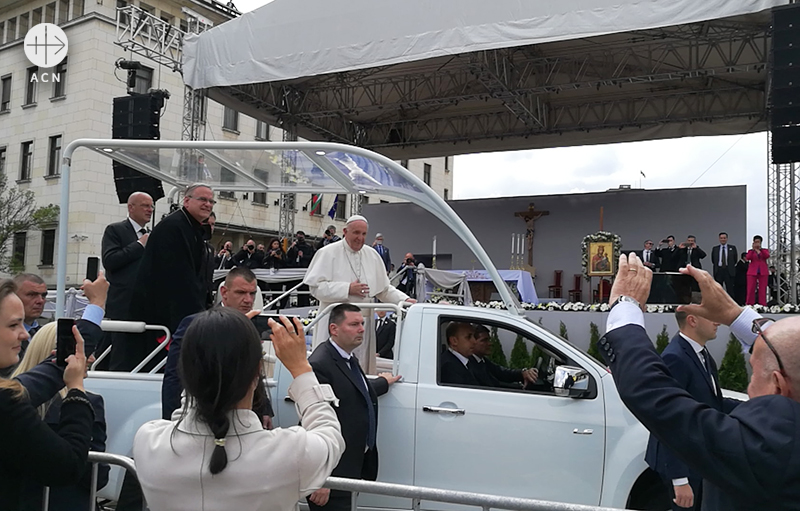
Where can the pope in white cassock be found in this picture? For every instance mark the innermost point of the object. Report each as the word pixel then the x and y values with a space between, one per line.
pixel 349 271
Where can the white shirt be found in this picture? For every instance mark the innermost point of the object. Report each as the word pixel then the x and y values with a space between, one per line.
pixel 136 228
pixel 266 471
pixel 332 270
pixel 724 248
pixel 347 356
pixel 464 360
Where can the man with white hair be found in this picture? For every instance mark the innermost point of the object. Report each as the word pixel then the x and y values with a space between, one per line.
pixel 349 272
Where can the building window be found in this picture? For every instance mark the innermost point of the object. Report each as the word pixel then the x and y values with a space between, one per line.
pixel 30 87
pixel 18 251
pixel 316 204
pixel 144 80
pixel 26 161
pixel 260 197
pixel 341 206
pixel 37 16
pixel 123 16
pixel 50 13
pixel 77 8
pixel 60 86
pixel 184 26
pixel 2 32
pixel 48 246
pixel 11 29
pixel 23 23
pixel 2 161
pixel 448 163
pixel 54 156
pixel 226 176
pixel 426 174
pixel 166 18
pixel 230 119
pixel 404 163
pixel 63 11
pixel 364 199
pixel 446 194
pixel 5 93
pixel 262 130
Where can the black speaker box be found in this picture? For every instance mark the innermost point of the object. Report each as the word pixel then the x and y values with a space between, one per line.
pixel 136 117
pixel 786 144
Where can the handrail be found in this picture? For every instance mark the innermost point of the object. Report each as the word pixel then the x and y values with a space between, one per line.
pixel 285 293
pixel 416 493
pixel 134 327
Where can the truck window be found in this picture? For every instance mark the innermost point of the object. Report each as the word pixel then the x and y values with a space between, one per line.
pixel 489 356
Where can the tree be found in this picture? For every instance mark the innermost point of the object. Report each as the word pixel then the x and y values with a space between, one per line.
pixel 520 358
pixel 562 330
pixel 662 340
pixel 594 338
pixel 497 356
pixel 18 213
pixel 733 371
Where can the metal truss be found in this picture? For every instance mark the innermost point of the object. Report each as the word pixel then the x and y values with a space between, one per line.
pixel 695 73
pixel 782 219
pixel 288 201
pixel 153 38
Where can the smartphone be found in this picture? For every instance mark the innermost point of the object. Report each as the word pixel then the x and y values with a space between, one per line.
pixel 65 341
pixel 92 267
pixel 673 288
pixel 261 322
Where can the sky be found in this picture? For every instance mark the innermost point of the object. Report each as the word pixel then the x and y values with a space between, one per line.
pixel 674 163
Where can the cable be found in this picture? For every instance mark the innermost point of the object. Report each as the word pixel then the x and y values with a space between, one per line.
pixel 723 154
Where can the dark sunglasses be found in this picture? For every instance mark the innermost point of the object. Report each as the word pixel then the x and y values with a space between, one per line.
pixel 758 325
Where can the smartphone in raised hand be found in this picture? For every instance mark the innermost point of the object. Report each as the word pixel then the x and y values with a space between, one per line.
pixel 65 341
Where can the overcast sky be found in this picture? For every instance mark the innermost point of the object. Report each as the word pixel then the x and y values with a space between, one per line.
pixel 678 163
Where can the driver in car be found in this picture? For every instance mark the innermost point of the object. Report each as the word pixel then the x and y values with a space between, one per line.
pixel 490 374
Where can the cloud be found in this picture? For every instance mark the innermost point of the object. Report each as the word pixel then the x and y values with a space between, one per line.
pixel 674 163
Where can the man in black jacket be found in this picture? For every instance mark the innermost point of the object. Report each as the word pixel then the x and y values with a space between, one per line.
pixel 358 403
pixel 690 253
pixel 171 283
pixel 490 374
pixel 723 260
pixel 299 255
pixel 122 250
pixel 749 458
pixel 248 256
pixel 454 365
pixel 668 254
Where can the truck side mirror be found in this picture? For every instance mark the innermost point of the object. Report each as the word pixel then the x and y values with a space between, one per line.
pixel 570 381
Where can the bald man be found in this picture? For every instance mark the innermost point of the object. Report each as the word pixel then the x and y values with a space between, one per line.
pixel 349 272
pixel 749 458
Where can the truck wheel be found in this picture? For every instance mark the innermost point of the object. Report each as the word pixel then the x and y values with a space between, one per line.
pixel 649 493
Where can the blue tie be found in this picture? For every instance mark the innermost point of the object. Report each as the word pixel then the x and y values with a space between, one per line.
pixel 354 368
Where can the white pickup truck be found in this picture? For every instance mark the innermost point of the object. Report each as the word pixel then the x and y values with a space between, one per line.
pixel 575 444
pixel 568 439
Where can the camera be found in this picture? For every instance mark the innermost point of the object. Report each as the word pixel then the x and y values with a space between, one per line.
pixel 327 232
pixel 665 240
pixel 251 247
pixel 409 261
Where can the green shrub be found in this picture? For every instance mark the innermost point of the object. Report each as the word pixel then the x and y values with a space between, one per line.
pixel 562 330
pixel 662 340
pixel 733 371
pixel 497 356
pixel 520 358
pixel 594 338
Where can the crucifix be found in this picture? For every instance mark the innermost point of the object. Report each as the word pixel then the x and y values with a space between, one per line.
pixel 530 216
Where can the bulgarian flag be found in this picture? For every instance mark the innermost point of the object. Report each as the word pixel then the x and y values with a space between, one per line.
pixel 316 204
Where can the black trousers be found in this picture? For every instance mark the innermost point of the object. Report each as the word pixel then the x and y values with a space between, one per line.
pixel 725 280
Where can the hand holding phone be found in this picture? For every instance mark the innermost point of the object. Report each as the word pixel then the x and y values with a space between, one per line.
pixel 75 371
pixel 65 341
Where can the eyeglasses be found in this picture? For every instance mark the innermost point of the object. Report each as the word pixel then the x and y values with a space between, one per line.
pixel 758 329
pixel 204 199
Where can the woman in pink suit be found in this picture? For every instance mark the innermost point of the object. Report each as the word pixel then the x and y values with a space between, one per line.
pixel 757 271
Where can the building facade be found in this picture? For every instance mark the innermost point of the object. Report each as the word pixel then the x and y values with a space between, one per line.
pixel 39 116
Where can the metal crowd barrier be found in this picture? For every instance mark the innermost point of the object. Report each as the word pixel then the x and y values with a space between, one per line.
pixel 416 493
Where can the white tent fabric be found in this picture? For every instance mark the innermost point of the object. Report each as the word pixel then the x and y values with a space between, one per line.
pixel 289 39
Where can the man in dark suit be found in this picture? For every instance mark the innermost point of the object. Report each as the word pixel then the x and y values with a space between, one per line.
pixel 358 403
pixel 690 253
pixel 385 330
pixel 490 374
pixel 383 251
pixel 248 256
pixel 299 255
pixel 723 260
pixel 648 255
pixel 171 283
pixel 748 458
pixel 454 365
pixel 122 250
pixel 695 370
pixel 668 254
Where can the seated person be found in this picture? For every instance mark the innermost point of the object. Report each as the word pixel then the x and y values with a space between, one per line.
pixel 490 374
pixel 455 360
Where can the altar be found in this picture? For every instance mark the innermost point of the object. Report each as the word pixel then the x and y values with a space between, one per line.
pixel 482 288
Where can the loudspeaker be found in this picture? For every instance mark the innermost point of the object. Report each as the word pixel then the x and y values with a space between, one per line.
pixel 136 117
pixel 784 93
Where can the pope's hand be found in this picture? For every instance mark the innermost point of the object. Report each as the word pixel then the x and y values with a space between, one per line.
pixel 359 289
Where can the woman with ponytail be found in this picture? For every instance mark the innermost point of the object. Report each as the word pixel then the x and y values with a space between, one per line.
pixel 215 454
pixel 30 450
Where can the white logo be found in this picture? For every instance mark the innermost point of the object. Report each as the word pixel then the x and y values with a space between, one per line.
pixel 46 45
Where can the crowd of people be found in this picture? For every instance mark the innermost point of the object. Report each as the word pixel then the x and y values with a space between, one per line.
pixel 746 276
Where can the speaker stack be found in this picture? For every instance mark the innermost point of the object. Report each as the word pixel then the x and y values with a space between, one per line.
pixel 138 117
pixel 784 90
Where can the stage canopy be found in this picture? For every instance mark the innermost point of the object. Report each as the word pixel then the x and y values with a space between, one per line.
pixel 439 77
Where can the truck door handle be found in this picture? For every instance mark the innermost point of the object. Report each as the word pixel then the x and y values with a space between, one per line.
pixel 439 409
pixel 577 431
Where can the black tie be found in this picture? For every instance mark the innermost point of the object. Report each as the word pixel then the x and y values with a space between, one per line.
pixel 725 256
pixel 704 351
pixel 143 231
pixel 354 368
pixel 33 331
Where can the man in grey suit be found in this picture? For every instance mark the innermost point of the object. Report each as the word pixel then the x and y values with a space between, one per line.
pixel 724 257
